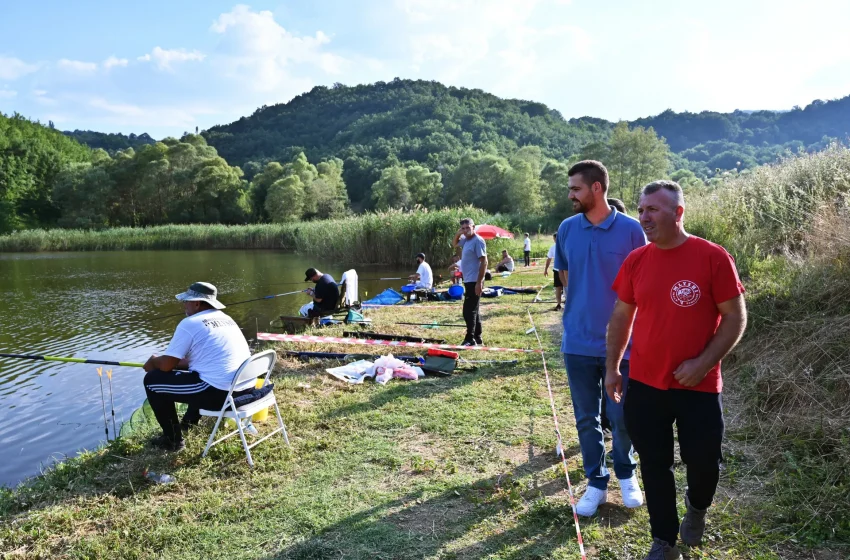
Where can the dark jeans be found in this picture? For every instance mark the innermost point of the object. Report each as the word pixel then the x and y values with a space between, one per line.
pixel 471 316
pixel 319 312
pixel 164 388
pixel 586 376
pixel 527 255
pixel 650 414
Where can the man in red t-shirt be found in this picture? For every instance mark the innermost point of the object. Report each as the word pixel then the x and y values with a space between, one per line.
pixel 690 312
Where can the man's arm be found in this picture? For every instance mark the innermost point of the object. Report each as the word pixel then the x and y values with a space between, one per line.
pixel 482 270
pixel 164 363
pixel 546 268
pixel 619 332
pixel 733 322
pixel 565 276
pixel 456 241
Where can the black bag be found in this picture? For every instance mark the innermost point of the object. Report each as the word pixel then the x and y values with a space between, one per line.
pixel 439 365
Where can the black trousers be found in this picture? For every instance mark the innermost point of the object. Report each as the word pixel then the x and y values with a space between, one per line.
pixel 527 255
pixel 164 388
pixel 471 316
pixel 650 414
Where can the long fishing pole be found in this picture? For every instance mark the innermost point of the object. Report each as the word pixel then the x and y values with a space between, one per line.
pixel 72 360
pixel 235 303
pixel 103 402
pixel 431 325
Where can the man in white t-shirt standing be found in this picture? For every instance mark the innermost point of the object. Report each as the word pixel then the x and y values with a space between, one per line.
pixel 526 250
pixel 550 258
pixel 210 345
pixel 423 278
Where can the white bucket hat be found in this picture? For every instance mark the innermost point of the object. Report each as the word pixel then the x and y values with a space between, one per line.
pixel 201 291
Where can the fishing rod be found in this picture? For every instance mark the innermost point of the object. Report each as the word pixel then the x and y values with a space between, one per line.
pixel 46 358
pixel 236 303
pixel 70 360
pixel 430 325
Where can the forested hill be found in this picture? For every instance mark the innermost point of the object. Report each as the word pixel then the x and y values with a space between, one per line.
pixel 371 127
pixel 111 142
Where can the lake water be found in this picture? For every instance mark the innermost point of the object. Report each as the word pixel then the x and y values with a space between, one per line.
pixel 99 305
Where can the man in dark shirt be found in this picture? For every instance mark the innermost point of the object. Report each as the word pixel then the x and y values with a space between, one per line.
pixel 325 295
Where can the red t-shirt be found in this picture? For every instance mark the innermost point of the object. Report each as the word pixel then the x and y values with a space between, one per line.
pixel 676 292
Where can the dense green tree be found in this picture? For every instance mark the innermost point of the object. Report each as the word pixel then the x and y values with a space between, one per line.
pixel 634 157
pixel 32 158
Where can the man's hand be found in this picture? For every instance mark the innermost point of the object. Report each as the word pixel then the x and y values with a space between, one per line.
pixel 479 288
pixel 614 385
pixel 690 373
pixel 310 291
pixel 546 273
pixel 148 367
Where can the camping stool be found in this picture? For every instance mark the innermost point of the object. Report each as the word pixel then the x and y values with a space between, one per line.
pixel 258 365
pixel 421 294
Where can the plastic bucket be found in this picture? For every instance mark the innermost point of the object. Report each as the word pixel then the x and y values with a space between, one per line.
pixel 262 415
pixel 407 288
pixel 456 291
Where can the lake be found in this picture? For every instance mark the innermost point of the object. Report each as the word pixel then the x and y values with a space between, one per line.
pixel 99 305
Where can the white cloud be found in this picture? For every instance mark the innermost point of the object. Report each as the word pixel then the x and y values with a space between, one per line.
pixel 509 48
pixel 13 68
pixel 164 58
pixel 77 66
pixel 7 93
pixel 259 52
pixel 122 114
pixel 39 92
pixel 113 61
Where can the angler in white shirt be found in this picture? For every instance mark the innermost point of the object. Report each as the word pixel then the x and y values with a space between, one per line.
pixel 211 347
pixel 423 278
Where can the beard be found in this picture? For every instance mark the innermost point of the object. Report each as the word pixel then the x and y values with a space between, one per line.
pixel 580 207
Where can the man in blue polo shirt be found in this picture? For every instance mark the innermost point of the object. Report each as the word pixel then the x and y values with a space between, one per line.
pixel 590 247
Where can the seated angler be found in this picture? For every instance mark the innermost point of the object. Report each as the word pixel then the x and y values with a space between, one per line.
pixel 325 295
pixel 211 346
pixel 506 264
pixel 423 278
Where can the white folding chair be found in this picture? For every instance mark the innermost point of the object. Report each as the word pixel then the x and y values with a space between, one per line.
pixel 258 365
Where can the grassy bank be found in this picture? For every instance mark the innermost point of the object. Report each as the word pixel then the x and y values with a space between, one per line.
pixel 460 467
pixel 376 238
pixel 789 382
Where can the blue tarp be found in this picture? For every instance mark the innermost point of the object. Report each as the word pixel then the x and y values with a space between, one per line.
pixel 387 297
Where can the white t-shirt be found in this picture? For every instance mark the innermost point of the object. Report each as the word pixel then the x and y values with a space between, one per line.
pixel 214 346
pixel 426 277
pixel 551 255
pixel 527 244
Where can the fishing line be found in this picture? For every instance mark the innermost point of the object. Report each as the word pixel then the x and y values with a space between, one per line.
pixel 558 435
pixel 111 402
pixel 232 304
pixel 103 402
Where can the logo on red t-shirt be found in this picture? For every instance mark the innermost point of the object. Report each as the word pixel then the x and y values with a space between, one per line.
pixel 685 293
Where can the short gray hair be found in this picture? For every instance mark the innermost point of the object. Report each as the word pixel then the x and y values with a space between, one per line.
pixel 670 186
pixel 466 222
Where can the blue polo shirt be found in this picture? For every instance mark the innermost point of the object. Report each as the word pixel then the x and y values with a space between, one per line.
pixel 592 255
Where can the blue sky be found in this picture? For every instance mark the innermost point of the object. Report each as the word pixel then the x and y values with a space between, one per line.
pixel 166 67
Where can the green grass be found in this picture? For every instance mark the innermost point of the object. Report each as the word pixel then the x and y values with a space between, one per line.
pixel 459 467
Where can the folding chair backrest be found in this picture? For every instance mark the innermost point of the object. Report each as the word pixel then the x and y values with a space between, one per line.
pixel 258 365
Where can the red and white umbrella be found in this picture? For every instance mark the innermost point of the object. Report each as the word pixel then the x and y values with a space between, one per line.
pixel 493 232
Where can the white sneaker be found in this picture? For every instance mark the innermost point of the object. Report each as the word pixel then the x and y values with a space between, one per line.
pixel 592 499
pixel 632 496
